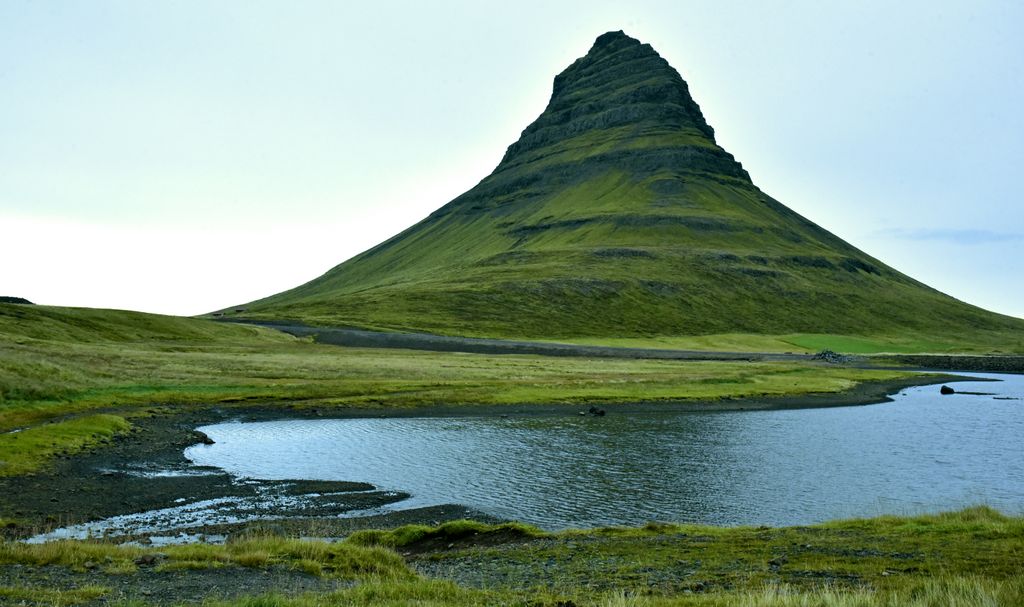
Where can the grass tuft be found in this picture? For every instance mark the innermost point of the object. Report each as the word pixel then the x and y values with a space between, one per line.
pixel 447 532
pixel 33 595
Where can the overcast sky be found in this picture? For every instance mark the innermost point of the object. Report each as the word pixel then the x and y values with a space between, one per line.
pixel 181 157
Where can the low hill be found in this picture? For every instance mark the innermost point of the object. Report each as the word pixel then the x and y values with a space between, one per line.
pixel 19 323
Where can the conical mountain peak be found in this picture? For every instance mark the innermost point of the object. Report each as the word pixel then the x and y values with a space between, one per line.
pixel 617 214
pixel 619 84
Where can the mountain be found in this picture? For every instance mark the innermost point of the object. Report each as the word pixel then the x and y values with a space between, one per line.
pixel 617 214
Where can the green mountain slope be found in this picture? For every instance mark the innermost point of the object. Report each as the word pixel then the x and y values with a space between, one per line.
pixel 617 214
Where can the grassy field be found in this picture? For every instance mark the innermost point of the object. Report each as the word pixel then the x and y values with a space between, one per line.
pixel 808 343
pixel 970 558
pixel 72 378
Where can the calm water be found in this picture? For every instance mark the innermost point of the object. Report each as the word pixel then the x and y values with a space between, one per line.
pixel 924 452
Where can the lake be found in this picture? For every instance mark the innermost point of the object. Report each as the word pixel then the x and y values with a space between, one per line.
pixel 922 452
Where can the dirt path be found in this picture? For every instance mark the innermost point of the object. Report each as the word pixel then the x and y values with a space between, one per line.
pixel 358 338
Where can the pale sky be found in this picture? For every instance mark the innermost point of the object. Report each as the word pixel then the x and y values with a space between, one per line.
pixel 180 157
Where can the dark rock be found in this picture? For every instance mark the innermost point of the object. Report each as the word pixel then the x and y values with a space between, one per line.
pixel 946 390
pixel 831 357
pixel 852 265
pixel 14 300
pixel 596 411
pixel 623 252
pixel 147 560
pixel 811 261
pixel 203 439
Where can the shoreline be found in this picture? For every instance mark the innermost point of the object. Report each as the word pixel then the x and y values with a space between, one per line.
pixel 865 393
pixel 112 481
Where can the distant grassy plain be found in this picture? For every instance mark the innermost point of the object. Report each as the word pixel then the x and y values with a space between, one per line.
pixel 72 378
pixel 807 343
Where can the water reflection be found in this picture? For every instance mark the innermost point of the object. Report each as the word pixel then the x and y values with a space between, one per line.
pixel 922 452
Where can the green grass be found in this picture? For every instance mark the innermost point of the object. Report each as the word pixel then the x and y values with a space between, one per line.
pixel 27 450
pixel 71 554
pixel 342 560
pixel 889 344
pixel 947 592
pixel 804 343
pixel 72 379
pixel 727 342
pixel 377 593
pixel 318 558
pixel 927 559
pixel 445 533
pixel 34 595
pixel 970 558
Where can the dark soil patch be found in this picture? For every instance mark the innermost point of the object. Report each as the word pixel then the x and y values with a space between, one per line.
pixel 434 544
